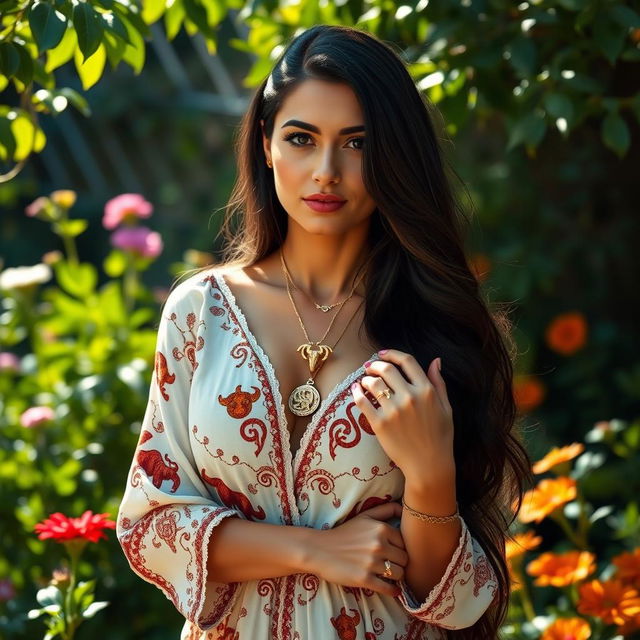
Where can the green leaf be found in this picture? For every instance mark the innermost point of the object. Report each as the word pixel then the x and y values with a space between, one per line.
pixel 89 28
pixel 63 52
pixel 528 130
pixel 29 138
pixel 523 55
pixel 9 58
pixel 47 25
pixel 7 139
pixel 79 280
pixel 625 16
pixel 91 69
pixel 559 105
pixel 152 10
pixel 71 228
pixel 609 37
pixel 615 133
pixel 173 19
pixel 114 23
pixel 115 264
pixel 76 99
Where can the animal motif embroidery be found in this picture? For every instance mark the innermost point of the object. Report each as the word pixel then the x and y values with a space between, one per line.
pixel 157 470
pixel 239 402
pixel 233 498
pixel 163 377
pixel 342 429
pixel 346 625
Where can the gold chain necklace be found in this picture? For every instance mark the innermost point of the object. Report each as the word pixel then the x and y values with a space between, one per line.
pixel 305 398
pixel 322 307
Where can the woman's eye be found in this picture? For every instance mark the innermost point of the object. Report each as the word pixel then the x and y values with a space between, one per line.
pixel 305 137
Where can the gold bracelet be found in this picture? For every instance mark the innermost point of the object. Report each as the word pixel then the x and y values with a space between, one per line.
pixel 429 518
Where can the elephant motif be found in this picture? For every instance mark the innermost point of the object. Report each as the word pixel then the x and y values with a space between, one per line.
pixel 159 471
pixel 346 625
pixel 239 402
pixel 233 498
pixel 163 376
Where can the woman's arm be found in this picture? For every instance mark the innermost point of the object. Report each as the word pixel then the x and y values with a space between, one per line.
pixel 241 550
pixel 351 554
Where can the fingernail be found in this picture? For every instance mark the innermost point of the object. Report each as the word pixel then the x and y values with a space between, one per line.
pixel 383 351
pixel 439 364
pixel 354 386
pixel 367 363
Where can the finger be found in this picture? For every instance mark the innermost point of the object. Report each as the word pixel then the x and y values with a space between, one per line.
pixel 389 374
pixel 394 536
pixel 438 382
pixel 384 511
pixel 374 385
pixel 409 365
pixel 364 403
pixel 380 585
pixel 396 570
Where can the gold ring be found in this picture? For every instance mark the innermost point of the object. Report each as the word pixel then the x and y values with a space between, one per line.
pixel 387 569
pixel 384 392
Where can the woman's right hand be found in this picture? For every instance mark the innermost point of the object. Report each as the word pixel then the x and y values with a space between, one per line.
pixel 353 553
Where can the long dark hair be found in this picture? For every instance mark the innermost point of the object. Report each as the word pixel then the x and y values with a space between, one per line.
pixel 422 296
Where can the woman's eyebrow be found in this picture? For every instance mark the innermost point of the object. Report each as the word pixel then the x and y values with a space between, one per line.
pixel 312 127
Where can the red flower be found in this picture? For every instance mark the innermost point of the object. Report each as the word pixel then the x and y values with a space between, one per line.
pixel 88 526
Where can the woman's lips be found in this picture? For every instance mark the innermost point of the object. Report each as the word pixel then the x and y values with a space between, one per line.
pixel 324 207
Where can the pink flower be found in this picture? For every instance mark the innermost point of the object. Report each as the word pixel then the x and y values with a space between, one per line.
pixel 124 208
pixel 7 591
pixel 35 416
pixel 140 240
pixel 37 207
pixel 9 360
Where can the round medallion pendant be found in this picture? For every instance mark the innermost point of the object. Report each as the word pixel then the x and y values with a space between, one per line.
pixel 304 400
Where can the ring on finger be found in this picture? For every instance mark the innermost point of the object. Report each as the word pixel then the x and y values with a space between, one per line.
pixel 385 392
pixel 387 569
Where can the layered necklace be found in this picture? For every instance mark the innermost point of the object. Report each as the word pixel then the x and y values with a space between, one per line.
pixel 305 398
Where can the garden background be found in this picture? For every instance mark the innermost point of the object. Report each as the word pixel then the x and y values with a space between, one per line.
pixel 538 105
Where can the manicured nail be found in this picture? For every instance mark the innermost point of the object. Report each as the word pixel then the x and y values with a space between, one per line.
pixel 367 363
pixel 383 351
pixel 354 386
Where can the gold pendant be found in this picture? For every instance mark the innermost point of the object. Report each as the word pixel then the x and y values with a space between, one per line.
pixel 304 399
pixel 314 353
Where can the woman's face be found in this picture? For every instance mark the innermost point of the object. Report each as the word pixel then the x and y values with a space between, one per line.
pixel 314 156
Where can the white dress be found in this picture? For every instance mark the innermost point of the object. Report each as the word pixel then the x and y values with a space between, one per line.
pixel 214 444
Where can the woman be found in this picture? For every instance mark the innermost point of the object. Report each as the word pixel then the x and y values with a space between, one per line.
pixel 280 487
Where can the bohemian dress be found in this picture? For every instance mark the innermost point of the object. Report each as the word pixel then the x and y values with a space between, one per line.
pixel 214 444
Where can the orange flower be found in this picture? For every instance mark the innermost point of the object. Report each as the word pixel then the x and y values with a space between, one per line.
pixel 567 629
pixel 561 569
pixel 521 543
pixel 611 600
pixel 567 333
pixel 514 577
pixel 549 495
pixel 630 625
pixel 528 392
pixel 628 564
pixel 558 456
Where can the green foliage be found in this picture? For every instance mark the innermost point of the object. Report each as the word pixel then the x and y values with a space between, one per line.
pixel 544 65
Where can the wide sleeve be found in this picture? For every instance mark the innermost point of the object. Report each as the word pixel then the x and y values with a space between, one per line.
pixel 464 592
pixel 167 513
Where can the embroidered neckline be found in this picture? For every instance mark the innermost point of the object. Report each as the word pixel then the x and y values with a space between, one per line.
pixel 292 461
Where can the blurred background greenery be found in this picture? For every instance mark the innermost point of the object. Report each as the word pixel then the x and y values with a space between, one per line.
pixel 537 105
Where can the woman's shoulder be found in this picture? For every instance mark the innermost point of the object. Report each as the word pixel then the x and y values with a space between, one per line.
pixel 192 289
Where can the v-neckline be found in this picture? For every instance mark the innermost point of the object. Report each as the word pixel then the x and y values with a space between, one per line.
pixel 274 383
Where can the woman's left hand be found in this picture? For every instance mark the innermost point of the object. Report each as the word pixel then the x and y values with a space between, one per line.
pixel 415 424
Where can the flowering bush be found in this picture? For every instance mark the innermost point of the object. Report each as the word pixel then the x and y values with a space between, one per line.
pixel 578 591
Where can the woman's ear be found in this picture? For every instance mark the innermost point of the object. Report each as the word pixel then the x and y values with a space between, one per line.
pixel 266 144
